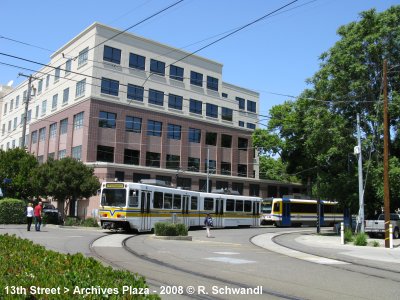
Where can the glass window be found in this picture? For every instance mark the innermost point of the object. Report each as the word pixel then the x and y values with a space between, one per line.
pixel 107 119
pixel 62 154
pixel 208 204
pixel 154 128
pixel 196 107
pixel 68 65
pixel 241 102
pixel 247 206
pixel 137 61
pixel 176 72
pixel 57 74
pixel 167 201
pixel 135 92
pixel 53 131
pixel 243 144
pixel 194 135
pixel 42 134
pixel 226 114
pixel 193 203
pixel 156 97
pixel 80 88
pixel 224 95
pixel 211 138
pixel 242 170
pixel 78 121
pixel 63 126
pixel 105 153
pixel 212 166
pixel 47 84
pixel 226 141
pixel 175 101
pixel 77 152
pixel 230 205
pixel 177 204
pixel 196 78
pixel 211 110
pixel 109 86
pixel 133 124
pixel 158 200
pixel 239 205
pixel 54 102
pixel 34 137
pixel 157 67
pixel 153 159
pixel 193 164
pixel 212 83
pixel 174 132
pixel 131 157
pixel 225 168
pixel 65 95
pixel 241 124
pixel 251 106
pixel 173 162
pixel 112 54
pixel 83 57
pixel 133 198
pixel 40 86
pixel 44 107
pixel 251 126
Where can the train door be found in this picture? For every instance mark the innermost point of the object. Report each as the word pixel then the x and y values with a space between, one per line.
pixel 286 221
pixel 256 213
pixel 219 213
pixel 185 210
pixel 145 220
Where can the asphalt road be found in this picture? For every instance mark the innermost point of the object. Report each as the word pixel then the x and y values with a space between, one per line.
pixel 211 268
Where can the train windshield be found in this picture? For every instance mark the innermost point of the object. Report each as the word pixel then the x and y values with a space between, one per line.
pixel 113 197
pixel 266 207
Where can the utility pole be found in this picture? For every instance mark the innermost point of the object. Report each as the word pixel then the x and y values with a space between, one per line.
pixel 28 98
pixel 360 177
pixel 386 196
pixel 208 169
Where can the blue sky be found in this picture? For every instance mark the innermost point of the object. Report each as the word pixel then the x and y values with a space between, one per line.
pixel 275 55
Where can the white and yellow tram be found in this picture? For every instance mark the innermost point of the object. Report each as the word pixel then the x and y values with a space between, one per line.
pixel 138 206
pixel 288 211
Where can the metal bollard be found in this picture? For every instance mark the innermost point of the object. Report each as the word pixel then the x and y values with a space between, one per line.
pixel 342 233
pixel 391 236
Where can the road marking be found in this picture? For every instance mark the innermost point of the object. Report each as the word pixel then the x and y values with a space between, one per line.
pixel 230 260
pixel 265 241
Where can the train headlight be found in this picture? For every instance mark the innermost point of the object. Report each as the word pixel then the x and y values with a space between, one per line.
pixel 120 216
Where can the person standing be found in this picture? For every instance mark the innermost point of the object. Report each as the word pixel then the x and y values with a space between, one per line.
pixel 38 216
pixel 29 216
pixel 208 222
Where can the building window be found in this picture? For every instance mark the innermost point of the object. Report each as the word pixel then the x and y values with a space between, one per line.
pixel 77 152
pixel 54 102
pixel 226 114
pixel 83 57
pixel 107 119
pixel 211 138
pixel 131 157
pixel 251 106
pixel 224 95
pixel 174 132
pixel 65 96
pixel 136 61
pixel 221 185
pixel 196 78
pixel 109 86
pixel 42 134
pixel 57 74
pixel 242 170
pixel 5 109
pixel 203 185
pixel 196 107
pixel 139 176
pixel 68 65
pixel 173 162
pixel 157 67
pixel 11 104
pixel 211 110
pixel 193 164
pixel 105 153
pixel 153 159
pixel 226 141
pixel 112 54
pixel 212 83
pixel 53 131
pixel 15 123
pixel 78 121
pixel 17 102
pixel 176 72
pixel 194 135
pixel 133 124
pixel 212 166
pixel 237 186
pixel 47 84
pixel 154 128
pixel 135 92
pixel 243 144
pixel 34 137
pixel 156 97
pixel 80 88
pixel 241 102
pixel 40 86
pixel 225 168
pixel 44 107
pixel 251 126
pixel 241 124
pixel 62 154
pixel 63 126
pixel 36 112
pixel 175 101
pixel 254 190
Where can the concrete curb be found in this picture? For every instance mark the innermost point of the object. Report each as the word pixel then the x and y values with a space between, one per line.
pixel 176 238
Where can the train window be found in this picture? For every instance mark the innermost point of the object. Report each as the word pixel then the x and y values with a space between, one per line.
pixel 113 197
pixel 239 205
pixel 193 203
pixel 177 204
pixel 208 204
pixel 133 198
pixel 167 201
pixel 158 200
pixel 247 205
pixel 230 205
pixel 277 207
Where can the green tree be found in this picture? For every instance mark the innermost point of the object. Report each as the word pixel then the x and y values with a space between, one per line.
pixel 66 180
pixel 16 166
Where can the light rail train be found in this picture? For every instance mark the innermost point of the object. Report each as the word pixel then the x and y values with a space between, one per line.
pixel 288 211
pixel 138 206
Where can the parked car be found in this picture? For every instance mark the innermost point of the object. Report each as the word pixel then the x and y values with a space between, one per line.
pixel 52 215
pixel 377 227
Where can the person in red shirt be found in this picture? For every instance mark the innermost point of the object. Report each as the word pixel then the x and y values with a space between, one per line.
pixel 38 216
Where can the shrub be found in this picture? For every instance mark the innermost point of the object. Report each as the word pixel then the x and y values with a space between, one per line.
pixel 169 229
pixel 361 239
pixel 90 222
pixel 348 235
pixel 12 211
pixel 71 221
pixel 375 244
pixel 26 265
